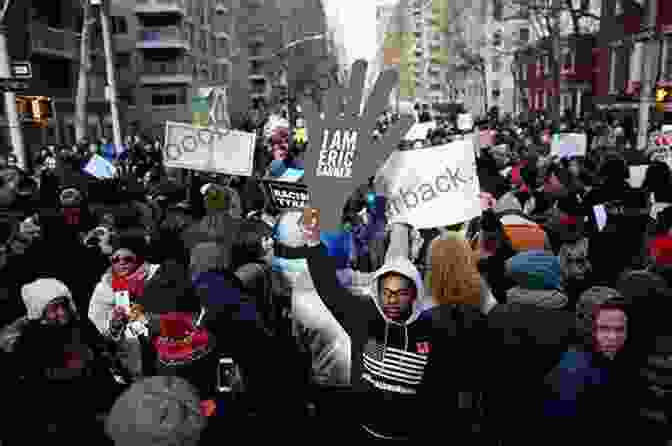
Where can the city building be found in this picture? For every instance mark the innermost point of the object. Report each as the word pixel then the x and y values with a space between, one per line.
pixel 626 29
pixel 385 13
pixel 423 72
pixel 182 45
pixel 532 65
pixel 577 76
pixel 507 27
pixel 48 35
pixel 261 32
pixel 309 54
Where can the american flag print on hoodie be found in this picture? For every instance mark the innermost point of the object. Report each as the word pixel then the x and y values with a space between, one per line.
pixel 393 369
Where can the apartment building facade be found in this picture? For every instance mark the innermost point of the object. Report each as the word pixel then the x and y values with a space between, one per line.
pixel 626 28
pixel 181 45
pixel 535 83
pixel 48 35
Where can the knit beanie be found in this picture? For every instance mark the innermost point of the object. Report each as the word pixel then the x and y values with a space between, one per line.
pixel 37 295
pixel 134 240
pixel 535 270
pixel 157 411
pixel 660 250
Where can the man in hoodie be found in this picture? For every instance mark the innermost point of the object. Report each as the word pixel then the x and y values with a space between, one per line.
pixel 398 348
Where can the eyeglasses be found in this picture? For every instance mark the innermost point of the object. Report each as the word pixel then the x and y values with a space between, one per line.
pixel 125 259
pixel 404 292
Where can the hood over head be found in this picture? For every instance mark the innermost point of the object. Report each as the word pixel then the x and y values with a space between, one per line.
pixel 38 294
pixel 404 267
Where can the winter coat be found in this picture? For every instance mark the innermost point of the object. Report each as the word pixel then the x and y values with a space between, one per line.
pixel 400 369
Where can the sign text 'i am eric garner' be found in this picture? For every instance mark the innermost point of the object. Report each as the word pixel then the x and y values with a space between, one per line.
pixel 337 153
pixel 209 149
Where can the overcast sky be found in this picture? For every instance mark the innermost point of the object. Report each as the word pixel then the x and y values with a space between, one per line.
pixel 359 22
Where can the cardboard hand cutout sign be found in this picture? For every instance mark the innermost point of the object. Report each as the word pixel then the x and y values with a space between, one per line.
pixel 342 154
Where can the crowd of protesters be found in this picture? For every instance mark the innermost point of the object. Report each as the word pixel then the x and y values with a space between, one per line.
pixel 163 308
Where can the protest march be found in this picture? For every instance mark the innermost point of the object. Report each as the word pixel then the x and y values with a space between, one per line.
pixel 368 275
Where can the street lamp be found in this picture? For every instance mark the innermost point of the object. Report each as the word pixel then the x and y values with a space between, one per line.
pixel 111 90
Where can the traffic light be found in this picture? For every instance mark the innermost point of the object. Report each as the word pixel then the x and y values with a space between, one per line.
pixel 663 97
pixel 41 110
pixel 35 109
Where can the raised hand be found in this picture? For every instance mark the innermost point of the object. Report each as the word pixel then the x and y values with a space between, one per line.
pixel 342 153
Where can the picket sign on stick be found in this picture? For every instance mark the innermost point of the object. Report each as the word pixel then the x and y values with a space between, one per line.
pixel 342 154
pixel 209 149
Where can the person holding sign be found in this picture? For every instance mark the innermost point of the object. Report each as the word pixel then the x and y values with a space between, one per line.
pixel 402 351
pixel 343 155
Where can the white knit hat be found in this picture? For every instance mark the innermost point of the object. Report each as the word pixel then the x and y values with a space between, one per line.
pixel 37 295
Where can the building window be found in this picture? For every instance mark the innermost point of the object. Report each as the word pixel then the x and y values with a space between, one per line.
pixel 547 65
pixel 169 96
pixel 618 7
pixel 568 58
pixel 524 10
pixel 667 65
pixel 619 65
pixel 497 39
pixel 123 60
pixel 119 25
pixel 213 46
pixel 523 73
pixel 204 42
pixel 524 35
pixel 496 64
pixel 223 47
pixel 498 10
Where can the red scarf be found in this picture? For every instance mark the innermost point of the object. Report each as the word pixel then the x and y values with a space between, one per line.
pixel 134 283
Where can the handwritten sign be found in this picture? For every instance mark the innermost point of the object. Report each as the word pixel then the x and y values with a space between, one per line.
pixel 287 195
pixel 432 187
pixel 209 149
pixel 465 121
pixel 567 145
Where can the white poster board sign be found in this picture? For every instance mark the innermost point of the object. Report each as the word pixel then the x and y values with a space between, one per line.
pixel 465 121
pixel 419 131
pixel 432 187
pixel 209 149
pixel 567 145
pixel 637 174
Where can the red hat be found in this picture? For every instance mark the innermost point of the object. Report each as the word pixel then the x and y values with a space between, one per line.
pixel 661 250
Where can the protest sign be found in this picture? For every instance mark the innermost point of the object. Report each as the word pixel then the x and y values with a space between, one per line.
pixel 100 168
pixel 465 121
pixel 287 195
pixel 432 187
pixel 419 131
pixel 343 155
pixel 208 149
pixel 637 174
pixel 567 145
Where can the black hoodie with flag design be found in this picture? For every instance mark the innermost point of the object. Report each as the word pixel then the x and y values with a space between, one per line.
pixel 406 375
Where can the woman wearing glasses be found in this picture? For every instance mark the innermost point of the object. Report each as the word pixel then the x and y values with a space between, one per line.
pixel 113 308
